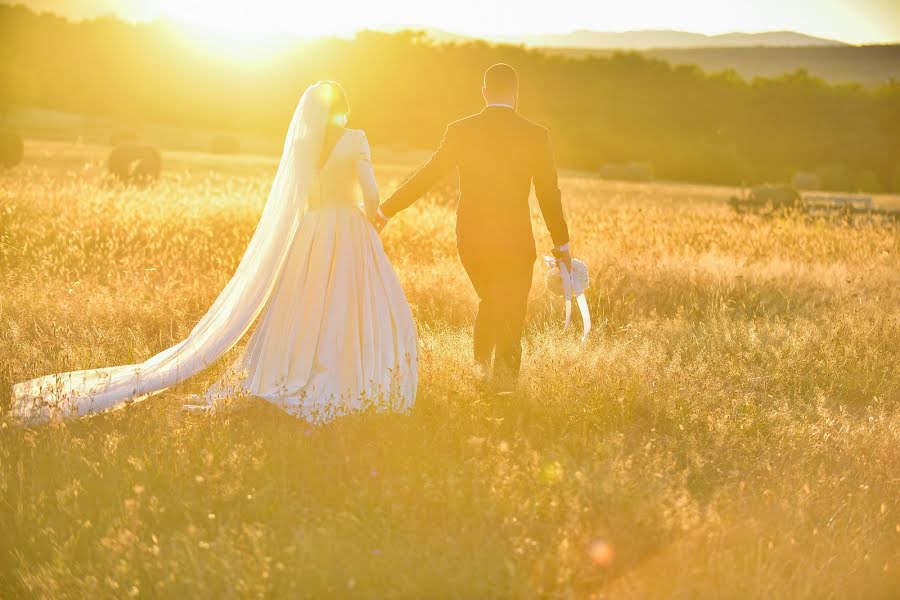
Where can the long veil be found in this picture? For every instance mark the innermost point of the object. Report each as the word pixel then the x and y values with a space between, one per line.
pixel 79 393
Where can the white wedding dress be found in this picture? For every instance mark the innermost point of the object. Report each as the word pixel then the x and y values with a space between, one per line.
pixel 334 330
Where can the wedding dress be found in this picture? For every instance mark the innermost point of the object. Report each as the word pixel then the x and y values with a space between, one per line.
pixel 334 330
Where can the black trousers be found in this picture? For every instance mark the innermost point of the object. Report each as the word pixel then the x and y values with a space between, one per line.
pixel 503 286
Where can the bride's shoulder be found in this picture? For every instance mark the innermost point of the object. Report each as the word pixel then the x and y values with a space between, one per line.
pixel 359 142
pixel 359 135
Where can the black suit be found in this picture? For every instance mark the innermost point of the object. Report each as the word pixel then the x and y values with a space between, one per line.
pixel 498 154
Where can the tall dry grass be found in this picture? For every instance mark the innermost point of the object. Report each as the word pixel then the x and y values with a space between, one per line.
pixel 731 429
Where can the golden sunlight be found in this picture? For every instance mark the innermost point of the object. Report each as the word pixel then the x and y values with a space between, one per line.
pixel 254 22
pixel 423 299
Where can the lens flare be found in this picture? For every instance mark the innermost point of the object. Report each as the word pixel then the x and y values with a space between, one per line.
pixel 601 553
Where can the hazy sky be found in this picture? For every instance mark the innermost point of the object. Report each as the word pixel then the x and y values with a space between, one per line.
pixel 855 21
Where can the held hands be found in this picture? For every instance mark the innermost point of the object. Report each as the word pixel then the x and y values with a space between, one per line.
pixel 378 220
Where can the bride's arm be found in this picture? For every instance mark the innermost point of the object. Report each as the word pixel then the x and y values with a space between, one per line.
pixel 366 175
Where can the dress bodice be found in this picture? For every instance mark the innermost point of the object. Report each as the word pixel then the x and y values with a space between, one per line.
pixel 347 171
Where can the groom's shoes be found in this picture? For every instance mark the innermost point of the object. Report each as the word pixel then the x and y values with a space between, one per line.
pixel 482 373
pixel 504 385
pixel 494 381
pixel 505 380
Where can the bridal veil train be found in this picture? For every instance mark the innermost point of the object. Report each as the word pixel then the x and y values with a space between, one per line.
pixel 335 333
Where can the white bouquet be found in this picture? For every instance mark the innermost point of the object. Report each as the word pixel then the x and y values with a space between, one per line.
pixel 561 282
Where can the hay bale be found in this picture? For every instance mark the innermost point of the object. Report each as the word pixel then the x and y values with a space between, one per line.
pixel 777 196
pixel 134 163
pixel 225 144
pixel 804 180
pixel 12 149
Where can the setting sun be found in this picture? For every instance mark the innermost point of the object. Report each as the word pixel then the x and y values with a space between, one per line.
pixel 255 21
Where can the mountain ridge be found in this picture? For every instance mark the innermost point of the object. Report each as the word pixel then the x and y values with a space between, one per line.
pixel 646 39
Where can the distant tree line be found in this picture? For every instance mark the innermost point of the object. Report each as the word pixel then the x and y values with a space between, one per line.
pixel 624 108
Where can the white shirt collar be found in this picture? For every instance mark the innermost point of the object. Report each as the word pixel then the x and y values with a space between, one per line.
pixel 501 104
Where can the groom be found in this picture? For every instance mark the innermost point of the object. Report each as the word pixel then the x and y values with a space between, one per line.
pixel 498 154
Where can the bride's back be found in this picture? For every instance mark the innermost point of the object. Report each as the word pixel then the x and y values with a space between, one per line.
pixel 335 181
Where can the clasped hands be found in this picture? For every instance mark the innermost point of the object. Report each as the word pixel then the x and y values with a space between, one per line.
pixel 378 220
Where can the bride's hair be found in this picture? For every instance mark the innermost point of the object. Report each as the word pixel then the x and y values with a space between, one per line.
pixel 336 98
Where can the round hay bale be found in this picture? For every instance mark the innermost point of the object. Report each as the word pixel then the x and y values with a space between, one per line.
pixel 225 144
pixel 12 149
pixel 778 195
pixel 134 163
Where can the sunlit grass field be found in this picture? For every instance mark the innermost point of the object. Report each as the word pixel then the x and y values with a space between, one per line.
pixel 731 428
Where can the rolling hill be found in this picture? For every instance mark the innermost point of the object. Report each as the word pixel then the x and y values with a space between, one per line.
pixel 648 39
pixel 767 54
pixel 868 65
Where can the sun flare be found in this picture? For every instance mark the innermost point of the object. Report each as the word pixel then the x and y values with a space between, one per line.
pixel 253 22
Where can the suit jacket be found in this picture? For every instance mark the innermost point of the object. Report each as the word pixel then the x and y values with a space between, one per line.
pixel 498 154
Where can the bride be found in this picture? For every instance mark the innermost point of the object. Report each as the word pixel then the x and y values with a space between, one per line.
pixel 335 333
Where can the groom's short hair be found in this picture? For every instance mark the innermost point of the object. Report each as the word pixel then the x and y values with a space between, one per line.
pixel 501 78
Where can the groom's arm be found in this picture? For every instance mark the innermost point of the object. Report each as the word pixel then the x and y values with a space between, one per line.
pixel 546 188
pixel 440 163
